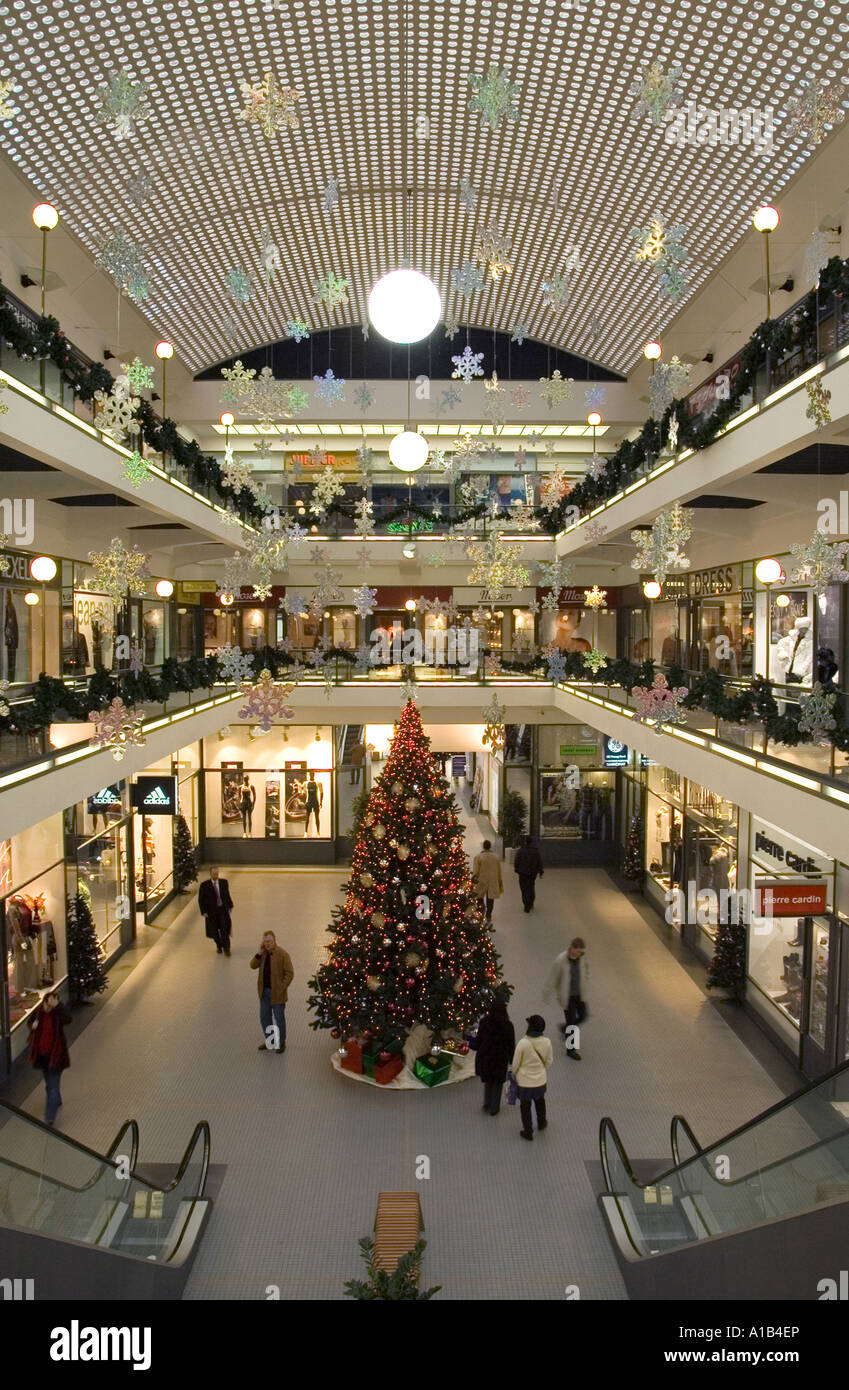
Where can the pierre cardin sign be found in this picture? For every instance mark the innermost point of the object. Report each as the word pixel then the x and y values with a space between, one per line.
pixel 782 849
pixel 725 579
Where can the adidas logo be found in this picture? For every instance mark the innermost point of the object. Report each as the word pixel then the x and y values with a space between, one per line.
pixel 104 798
pixel 156 798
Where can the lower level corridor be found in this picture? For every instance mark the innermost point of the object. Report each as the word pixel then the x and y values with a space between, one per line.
pixel 301 1152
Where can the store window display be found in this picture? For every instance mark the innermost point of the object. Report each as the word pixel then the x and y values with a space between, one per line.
pixel 522 624
pixel 32 911
pixel 665 827
pixel 254 631
pixel 154 859
pixel 219 630
pixel 341 627
pixel 277 787
pixel 153 634
pixel 576 804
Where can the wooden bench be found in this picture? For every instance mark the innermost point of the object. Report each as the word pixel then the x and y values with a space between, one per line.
pixel 397 1227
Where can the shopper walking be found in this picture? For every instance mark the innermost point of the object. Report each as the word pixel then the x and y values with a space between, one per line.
pixel 216 905
pixel 494 1045
pixel 486 872
pixel 528 865
pixel 358 754
pixel 531 1060
pixel 275 976
pixel 48 1049
pixel 566 980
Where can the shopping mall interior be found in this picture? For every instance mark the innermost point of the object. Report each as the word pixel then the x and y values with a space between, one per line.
pixel 424 537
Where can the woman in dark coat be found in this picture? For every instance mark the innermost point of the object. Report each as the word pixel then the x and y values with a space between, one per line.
pixel 48 1049
pixel 494 1046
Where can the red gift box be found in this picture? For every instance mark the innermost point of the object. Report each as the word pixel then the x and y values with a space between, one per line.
pixel 384 1072
pixel 354 1059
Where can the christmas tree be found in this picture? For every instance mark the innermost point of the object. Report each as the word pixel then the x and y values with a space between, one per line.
pixel 85 968
pixel 728 966
pixel 632 864
pixel 409 944
pixel 185 868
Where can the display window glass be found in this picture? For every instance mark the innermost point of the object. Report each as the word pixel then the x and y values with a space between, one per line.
pixel 154 637
pixel 95 622
pixel 576 804
pixel 791 636
pixel 276 787
pixel 664 841
pixel 710 862
pixel 518 743
pixel 219 629
pixel 718 634
pixel 522 629
pixel 341 627
pixel 185 633
pixel 570 629
pixel 100 872
pixel 666 644
pixel 666 783
pixel 32 902
pixel 718 813
pixel 154 858
pixel 254 629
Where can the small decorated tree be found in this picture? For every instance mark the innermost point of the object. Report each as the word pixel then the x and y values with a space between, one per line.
pixel 185 868
pixel 728 966
pixel 409 943
pixel 632 864
pixel 86 975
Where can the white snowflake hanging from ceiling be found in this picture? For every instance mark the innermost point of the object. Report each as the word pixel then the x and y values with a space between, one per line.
pixel 7 86
pixel 816 714
pixel 667 384
pixel 330 194
pixel 815 109
pixel 118 728
pixel 662 248
pixel 136 469
pixel 661 549
pixel 555 291
pixel 467 195
pixel 266 700
pixel 467 278
pixel 519 332
pixel 819 249
pixel 327 486
pixel 494 96
pixel 364 397
pixel 495 251
pixel 124 259
pixel 140 188
pixel 498 566
pixel 467 365
pixel 331 290
pixel 236 473
pixel 365 600
pixel 269 106
pixel 239 285
pixel 656 91
pixel 124 104
pixel 298 329
pixel 660 703
pixel 234 666
pixel 118 571
pixel 116 413
pixel 329 387
pixel 555 388
pixel 819 563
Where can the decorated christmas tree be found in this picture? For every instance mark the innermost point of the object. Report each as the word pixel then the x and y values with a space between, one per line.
pixel 410 945
pixel 728 966
pixel 85 961
pixel 185 868
pixel 632 864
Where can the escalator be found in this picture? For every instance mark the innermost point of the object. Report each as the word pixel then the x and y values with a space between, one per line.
pixel 87 1225
pixel 762 1213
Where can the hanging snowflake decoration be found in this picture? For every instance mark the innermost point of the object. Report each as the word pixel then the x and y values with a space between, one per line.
pixel 555 291
pixel 467 365
pixel 269 106
pixel 118 728
pixel 136 469
pixel 494 96
pixel 364 397
pixel 450 398
pixel 123 259
pixel 494 405
pixel 331 290
pixel 519 332
pixel 298 329
pixel 365 460
pixel 452 328
pixel 819 563
pixel 819 250
pixel 818 403
pixel 672 435
pixel 364 517
pixel 815 714
pixel 330 194
pixel 365 600
pixel 235 667
pixel 660 702
pixel 662 248
pixel 239 383
pixel 594 532
pixel 814 111
pixel 656 92
pixel 553 487
pixel 297 399
pixel 595 597
pixel 139 377
pixel 327 486
pixel 4 409
pixel 239 285
pixel 467 195
pixel 661 549
pixel 265 701
pixel 556 668
pixel 594 397
pixel 520 398
pixel 497 566
pixel 140 188
pixel 495 251
pixel 4 706
pixel 668 383
pixel 554 574
pixel 594 660
pixel 494 718
pixel 236 473
pixel 555 388
pixel 7 86
pixel 123 104
pixel 596 467
pixel 465 450
pixel 269 255
pixel 116 414
pixel 329 387
pixel 467 278
pixel 295 604
pixel 523 517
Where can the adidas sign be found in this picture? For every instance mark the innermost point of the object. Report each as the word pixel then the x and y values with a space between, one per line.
pixel 156 798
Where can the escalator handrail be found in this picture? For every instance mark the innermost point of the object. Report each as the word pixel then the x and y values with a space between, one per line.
pixel 608 1127
pixel 771 1110
pixel 104 1160
pixel 679 1123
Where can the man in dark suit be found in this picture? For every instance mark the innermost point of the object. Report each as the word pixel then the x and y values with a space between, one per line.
pixel 216 905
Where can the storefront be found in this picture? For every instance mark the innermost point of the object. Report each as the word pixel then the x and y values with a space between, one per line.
pixel 30 620
pixel 32 907
pixel 575 805
pixel 573 627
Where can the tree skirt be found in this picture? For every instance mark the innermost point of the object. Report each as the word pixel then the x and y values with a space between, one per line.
pixel 417 1044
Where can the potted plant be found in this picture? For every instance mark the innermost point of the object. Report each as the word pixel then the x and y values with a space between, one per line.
pixel 401 1284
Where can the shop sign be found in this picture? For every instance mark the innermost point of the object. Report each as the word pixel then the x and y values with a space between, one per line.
pixel 578 750
pixel 18 569
pixel 792 854
pixel 107 799
pixel 791 899
pixel 725 579
pixel 185 587
pixel 155 796
pixel 341 462
pixel 717 388
pixel 471 596
pixel 748 598
pixel 615 753
pixel 93 608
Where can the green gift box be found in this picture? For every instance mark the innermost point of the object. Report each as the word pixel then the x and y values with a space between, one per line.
pixel 432 1070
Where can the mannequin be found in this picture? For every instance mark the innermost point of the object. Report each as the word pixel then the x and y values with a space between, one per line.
pixel 795 652
pixel 247 801
pixel 19 917
pixel 719 875
pixel 315 801
pixel 10 635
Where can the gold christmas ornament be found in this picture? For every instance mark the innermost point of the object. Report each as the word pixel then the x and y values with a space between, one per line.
pixel 403 851
pixel 372 982
pixel 366 879
pixel 412 803
pixel 379 832
pixel 458 984
pixel 378 919
pixel 397 788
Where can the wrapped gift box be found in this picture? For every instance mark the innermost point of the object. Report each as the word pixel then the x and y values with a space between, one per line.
pixel 354 1059
pixel 384 1072
pixel 432 1070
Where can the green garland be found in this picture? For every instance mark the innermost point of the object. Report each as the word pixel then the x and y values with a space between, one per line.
pixel 777 337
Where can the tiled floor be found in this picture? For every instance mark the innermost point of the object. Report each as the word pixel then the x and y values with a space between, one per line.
pixel 306 1151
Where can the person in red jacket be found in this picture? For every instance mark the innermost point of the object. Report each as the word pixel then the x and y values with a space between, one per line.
pixel 48 1049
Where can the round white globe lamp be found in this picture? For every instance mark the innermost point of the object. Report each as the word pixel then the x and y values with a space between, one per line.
pixel 404 306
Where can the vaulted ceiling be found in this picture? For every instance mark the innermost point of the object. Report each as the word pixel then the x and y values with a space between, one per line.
pixel 385 109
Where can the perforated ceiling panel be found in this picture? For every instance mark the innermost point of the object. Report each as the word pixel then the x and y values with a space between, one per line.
pixel 217 182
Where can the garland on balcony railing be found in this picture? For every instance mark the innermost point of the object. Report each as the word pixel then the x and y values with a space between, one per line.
pixel 776 336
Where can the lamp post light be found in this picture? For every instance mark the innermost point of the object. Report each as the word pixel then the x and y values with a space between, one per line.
pixel 765 220
pixel 594 419
pixel 227 419
pixel 768 572
pixel 46 218
pixel 652 351
pixel 164 351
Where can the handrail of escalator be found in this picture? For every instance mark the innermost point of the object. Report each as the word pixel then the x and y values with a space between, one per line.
pixel 679 1123
pixel 130 1127
pixel 607 1127
pixel 202 1131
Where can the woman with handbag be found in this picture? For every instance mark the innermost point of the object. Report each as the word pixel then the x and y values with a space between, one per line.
pixel 493 1046
pixel 531 1060
pixel 48 1050
pixel 566 981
